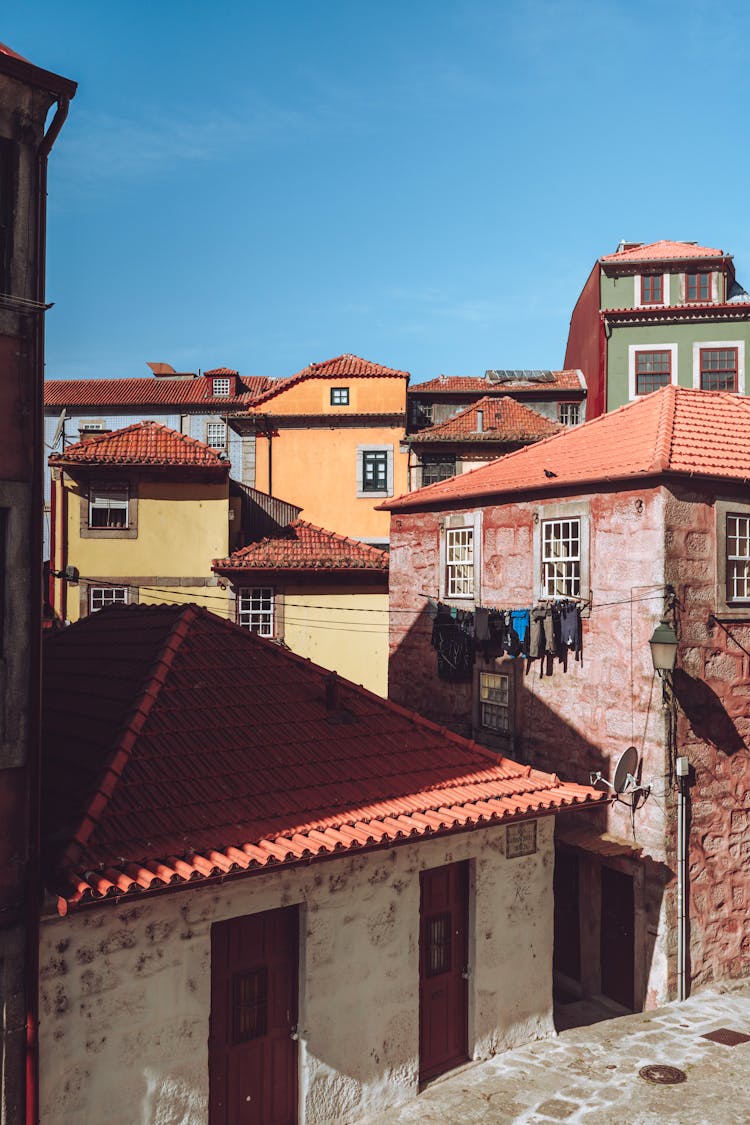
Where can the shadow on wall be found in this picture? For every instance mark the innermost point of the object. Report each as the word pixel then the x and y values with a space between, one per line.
pixel 706 713
pixel 546 741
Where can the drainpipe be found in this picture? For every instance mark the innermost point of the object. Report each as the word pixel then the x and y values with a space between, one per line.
pixel 33 884
pixel 682 776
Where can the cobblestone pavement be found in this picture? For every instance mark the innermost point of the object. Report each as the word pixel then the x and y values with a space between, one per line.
pixel 590 1074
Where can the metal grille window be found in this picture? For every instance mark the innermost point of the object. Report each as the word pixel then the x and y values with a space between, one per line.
pixel 494 701
pixel 255 609
pixel 651 289
pixel 222 387
pixel 698 286
pixel 719 369
pixel 108 505
pixel 738 558
pixel 375 471
pixel 569 413
pixel 561 558
pixel 459 562
pixel 249 1005
pixel 216 434
pixel 435 469
pixel 102 596
pixel 438 944
pixel 652 371
pixel 339 396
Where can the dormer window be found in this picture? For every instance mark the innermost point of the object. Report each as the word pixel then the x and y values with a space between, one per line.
pixel 221 387
pixel 651 289
pixel 697 287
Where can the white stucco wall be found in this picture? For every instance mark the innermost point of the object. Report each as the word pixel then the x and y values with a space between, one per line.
pixel 125 988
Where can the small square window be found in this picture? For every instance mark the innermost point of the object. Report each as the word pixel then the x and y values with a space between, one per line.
pixel 494 702
pixel 216 435
pixel 561 558
pixel 102 596
pixel 651 289
pixel 339 396
pixel 697 287
pixel 569 413
pixel 436 469
pixel 221 387
pixel 108 506
pixel 255 609
pixel 375 471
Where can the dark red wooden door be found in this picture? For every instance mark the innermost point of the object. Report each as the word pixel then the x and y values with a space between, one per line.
pixel 443 957
pixel 252 1057
pixel 618 936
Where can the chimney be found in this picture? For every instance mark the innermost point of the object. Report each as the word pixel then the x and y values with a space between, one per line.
pixel 332 692
pixel 480 421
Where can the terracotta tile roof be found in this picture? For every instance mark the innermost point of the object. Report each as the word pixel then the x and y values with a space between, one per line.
pixel 504 419
pixel 663 250
pixel 302 546
pixel 345 366
pixel 675 430
pixel 148 392
pixel 221 371
pixel 144 443
pixel 180 747
pixel 571 380
pixel 11 54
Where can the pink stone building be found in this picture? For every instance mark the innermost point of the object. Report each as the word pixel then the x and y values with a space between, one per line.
pixel 638 514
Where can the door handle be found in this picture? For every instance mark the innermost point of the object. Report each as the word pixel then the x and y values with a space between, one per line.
pixel 465 974
pixel 294 1034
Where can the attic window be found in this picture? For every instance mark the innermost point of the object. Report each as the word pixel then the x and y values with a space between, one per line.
pixel 221 387
pixel 697 287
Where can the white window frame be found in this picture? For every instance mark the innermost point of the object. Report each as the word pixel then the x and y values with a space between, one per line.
pixel 633 350
pixel 564 408
pixel 561 571
pixel 221 386
pixel 651 304
pixel 720 345
pixel 213 423
pixel 737 609
pixel 463 522
pixel 256 609
pixel 117 497
pixel 107 596
pixel 565 510
pixel 369 493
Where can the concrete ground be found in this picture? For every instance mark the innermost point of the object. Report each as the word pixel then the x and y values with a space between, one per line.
pixel 590 1074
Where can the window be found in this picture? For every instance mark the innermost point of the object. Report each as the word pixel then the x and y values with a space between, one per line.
pixel 651 289
pixel 249 1005
pixel 569 413
pixel 91 425
pixel 438 944
pixel 374 470
pixel 697 287
pixel 561 558
pixel 222 387
pixel 435 469
pixel 718 369
pixel 339 396
pixel 255 609
pixel 494 701
pixel 216 434
pixel 652 371
pixel 108 506
pixel 738 557
pixel 459 562
pixel 102 596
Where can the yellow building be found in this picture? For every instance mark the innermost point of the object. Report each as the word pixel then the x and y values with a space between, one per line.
pixel 322 595
pixel 139 513
pixel 330 437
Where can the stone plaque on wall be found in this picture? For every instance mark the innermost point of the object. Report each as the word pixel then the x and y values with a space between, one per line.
pixel 520 839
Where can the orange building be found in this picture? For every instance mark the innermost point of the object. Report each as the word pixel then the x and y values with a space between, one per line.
pixel 330 438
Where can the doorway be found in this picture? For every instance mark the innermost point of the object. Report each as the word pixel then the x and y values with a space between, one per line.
pixel 618 937
pixel 443 969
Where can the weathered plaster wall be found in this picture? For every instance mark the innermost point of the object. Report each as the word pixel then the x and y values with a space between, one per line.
pixel 576 717
pixel 125 988
pixel 712 686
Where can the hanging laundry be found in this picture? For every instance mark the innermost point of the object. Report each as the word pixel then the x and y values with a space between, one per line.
pixel 552 629
pixel 570 627
pixel 520 626
pixel 482 624
pixel 536 632
pixel 455 648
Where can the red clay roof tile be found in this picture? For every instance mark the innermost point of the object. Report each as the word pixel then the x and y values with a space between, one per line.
pixel 345 366
pixel 179 747
pixel 302 546
pixel 570 380
pixel 663 250
pixel 144 443
pixel 503 419
pixel 161 391
pixel 676 430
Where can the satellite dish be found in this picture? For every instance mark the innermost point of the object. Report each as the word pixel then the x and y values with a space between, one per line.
pixel 59 429
pixel 625 770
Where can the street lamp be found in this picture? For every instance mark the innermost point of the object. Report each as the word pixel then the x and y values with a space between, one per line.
pixel 664 647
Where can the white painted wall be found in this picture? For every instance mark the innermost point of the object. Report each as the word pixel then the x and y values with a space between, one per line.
pixel 125 989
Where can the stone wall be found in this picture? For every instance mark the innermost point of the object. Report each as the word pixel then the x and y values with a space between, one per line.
pixel 126 987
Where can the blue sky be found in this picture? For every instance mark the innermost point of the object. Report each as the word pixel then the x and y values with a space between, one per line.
pixel 427 184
